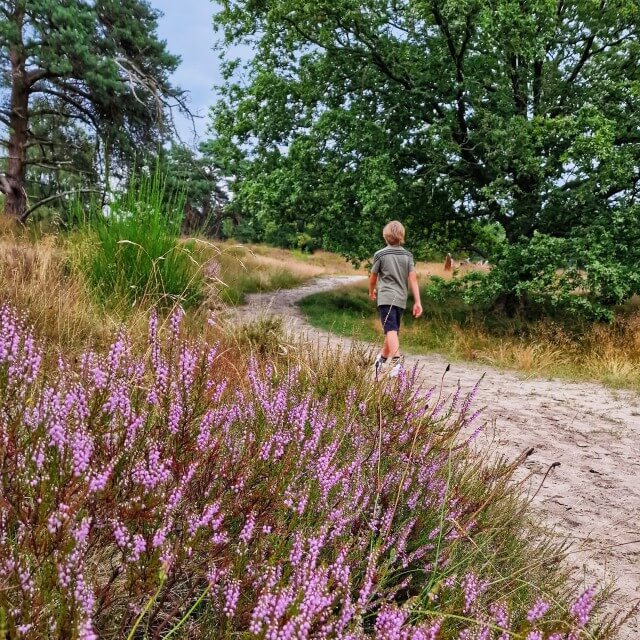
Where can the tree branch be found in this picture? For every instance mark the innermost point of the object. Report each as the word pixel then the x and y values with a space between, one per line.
pixel 91 121
pixel 60 165
pixel 519 99
pixel 36 75
pixel 586 54
pixel 63 114
pixel 537 85
pixel 56 196
pixel 461 136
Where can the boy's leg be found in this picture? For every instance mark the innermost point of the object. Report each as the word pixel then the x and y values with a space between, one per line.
pixel 390 317
pixel 391 346
pixel 381 359
pixel 393 342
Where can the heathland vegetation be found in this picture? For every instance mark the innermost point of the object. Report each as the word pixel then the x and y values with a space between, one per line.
pixel 165 476
pixel 166 472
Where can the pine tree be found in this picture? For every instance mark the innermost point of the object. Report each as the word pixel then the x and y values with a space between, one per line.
pixel 95 66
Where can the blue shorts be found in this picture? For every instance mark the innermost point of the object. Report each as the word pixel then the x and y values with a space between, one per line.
pixel 390 316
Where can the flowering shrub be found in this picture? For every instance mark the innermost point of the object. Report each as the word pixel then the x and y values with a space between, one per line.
pixel 143 495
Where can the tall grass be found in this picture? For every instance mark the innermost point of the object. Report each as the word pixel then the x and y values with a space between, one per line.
pixel 135 252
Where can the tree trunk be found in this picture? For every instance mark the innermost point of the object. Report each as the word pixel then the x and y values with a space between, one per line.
pixel 12 183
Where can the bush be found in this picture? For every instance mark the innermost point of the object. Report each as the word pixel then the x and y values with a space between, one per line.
pixel 547 277
pixel 137 254
pixel 146 496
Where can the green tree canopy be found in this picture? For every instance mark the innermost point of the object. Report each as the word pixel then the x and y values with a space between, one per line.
pixel 96 67
pixel 447 114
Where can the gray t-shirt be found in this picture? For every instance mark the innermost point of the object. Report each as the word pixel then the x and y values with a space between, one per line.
pixel 393 264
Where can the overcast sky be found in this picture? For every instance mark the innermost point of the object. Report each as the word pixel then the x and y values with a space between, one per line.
pixel 187 28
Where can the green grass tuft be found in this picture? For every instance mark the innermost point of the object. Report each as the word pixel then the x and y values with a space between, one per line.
pixel 134 252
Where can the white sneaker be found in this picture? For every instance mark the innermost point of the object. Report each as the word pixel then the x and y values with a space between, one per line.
pixel 396 369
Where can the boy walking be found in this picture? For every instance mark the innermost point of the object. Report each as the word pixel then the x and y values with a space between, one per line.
pixel 392 272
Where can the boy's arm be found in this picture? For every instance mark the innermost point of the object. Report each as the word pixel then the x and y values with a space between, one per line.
pixel 373 280
pixel 415 291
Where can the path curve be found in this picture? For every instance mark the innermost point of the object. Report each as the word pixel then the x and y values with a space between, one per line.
pixel 592 431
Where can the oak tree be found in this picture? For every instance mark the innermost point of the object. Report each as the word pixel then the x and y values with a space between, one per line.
pixel 447 114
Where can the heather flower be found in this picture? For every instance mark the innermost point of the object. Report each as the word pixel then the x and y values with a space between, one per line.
pixel 501 616
pixel 538 610
pixel 128 466
pixel 389 624
pixel 582 607
pixel 247 531
pixel 473 588
pixel 81 532
pixel 138 547
pixel 231 595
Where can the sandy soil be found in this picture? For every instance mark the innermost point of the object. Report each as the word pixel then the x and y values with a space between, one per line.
pixel 593 497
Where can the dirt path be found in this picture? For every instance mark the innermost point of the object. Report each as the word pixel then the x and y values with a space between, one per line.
pixel 593 432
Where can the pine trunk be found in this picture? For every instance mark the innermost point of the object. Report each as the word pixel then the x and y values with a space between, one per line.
pixel 12 183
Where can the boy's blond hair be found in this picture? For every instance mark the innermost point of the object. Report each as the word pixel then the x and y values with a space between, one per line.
pixel 393 233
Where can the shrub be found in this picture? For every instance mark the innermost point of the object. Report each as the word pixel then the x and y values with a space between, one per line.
pixel 579 276
pixel 145 496
pixel 137 255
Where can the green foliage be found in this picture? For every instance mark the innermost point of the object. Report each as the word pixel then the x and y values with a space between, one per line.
pixel 476 123
pixel 244 231
pixel 138 256
pixel 581 276
pixel 197 177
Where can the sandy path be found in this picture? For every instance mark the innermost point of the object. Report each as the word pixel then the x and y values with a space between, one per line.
pixel 593 497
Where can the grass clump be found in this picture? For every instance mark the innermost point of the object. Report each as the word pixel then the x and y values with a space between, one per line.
pixel 186 488
pixel 134 253
pixel 609 353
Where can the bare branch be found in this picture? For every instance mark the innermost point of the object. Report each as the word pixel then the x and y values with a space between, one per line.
pixel 138 80
pixel 62 164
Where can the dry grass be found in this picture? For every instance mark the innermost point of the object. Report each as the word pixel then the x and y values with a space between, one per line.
pixel 270 260
pixel 302 264
pixel 609 353
pixel 426 270
pixel 240 269
pixel 37 277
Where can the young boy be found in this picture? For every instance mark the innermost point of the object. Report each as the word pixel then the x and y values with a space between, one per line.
pixel 392 270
